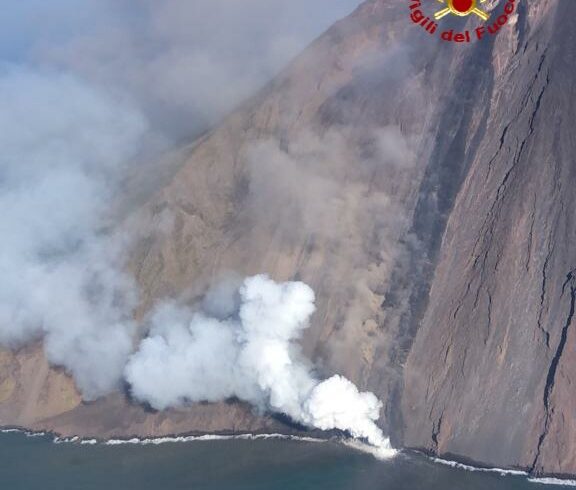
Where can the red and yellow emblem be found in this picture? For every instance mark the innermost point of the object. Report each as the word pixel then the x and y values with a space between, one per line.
pixel 461 8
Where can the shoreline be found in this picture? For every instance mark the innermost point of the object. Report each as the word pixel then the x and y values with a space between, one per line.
pixel 157 440
pixel 554 480
pixel 546 479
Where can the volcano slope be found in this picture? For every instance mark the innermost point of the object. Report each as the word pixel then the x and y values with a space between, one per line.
pixel 489 375
pixel 422 188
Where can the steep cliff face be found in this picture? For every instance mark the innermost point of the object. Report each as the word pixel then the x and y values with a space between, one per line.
pixel 489 374
pixel 423 189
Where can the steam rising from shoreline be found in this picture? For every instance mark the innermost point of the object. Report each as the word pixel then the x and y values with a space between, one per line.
pixel 249 352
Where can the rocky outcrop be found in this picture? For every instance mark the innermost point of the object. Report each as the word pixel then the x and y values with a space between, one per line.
pixel 423 189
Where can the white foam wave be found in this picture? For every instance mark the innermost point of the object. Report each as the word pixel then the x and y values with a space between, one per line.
pixel 182 439
pixel 466 467
pixel 503 472
pixel 207 437
pixel 89 442
pixel 27 433
pixel 382 453
pixel 553 481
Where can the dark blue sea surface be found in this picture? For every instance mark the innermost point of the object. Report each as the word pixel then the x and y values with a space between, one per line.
pixel 30 463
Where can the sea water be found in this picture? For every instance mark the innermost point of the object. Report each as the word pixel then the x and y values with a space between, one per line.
pixel 30 463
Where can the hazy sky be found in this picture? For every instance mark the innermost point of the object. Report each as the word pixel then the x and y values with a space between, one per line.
pixel 85 85
pixel 185 62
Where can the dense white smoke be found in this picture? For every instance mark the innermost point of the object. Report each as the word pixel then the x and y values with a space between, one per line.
pixel 63 147
pixel 250 352
pixel 337 404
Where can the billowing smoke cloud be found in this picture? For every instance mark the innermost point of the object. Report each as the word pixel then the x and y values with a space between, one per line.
pixel 70 136
pixel 249 352
pixel 64 145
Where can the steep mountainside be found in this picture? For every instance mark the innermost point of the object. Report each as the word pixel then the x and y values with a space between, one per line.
pixel 422 188
pixel 297 183
pixel 490 373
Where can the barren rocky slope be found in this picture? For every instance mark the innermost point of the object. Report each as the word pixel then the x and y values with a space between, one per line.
pixel 490 373
pixel 422 188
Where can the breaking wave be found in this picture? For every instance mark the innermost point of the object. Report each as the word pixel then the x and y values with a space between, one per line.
pixel 466 467
pixel 553 481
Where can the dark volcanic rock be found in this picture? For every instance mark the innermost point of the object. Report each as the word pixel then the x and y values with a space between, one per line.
pixel 489 374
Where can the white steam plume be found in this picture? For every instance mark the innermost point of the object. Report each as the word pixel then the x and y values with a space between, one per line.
pixel 63 147
pixel 249 352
